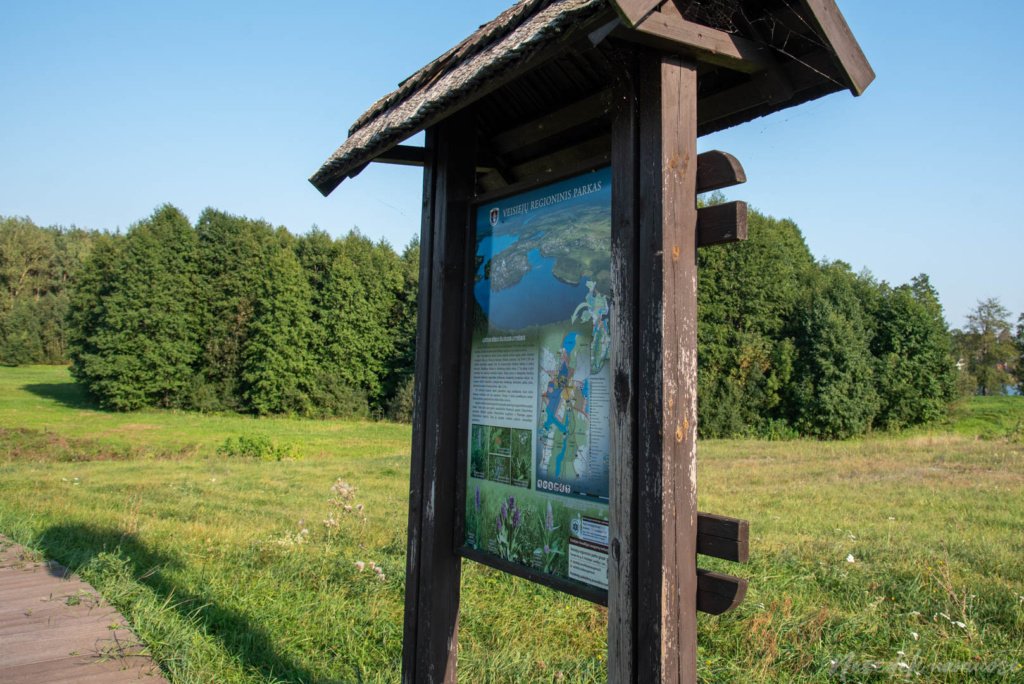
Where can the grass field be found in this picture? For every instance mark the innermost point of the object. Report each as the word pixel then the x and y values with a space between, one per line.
pixel 871 560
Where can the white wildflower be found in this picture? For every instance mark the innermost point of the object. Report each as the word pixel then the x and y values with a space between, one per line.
pixel 360 566
pixel 850 558
pixel 343 489
pixel 915 635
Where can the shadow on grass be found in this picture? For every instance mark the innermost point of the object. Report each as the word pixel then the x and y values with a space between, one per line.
pixel 69 394
pixel 76 545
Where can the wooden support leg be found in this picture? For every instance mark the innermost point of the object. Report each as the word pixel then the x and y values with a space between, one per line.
pixel 653 574
pixel 432 567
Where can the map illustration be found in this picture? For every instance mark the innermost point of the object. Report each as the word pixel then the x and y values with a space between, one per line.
pixel 567 460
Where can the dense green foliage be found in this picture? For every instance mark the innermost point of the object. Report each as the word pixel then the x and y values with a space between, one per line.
pixel 134 336
pixel 234 314
pixel 1019 342
pixel 37 266
pixel 787 345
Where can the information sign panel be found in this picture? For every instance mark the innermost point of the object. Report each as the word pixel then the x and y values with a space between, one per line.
pixel 539 396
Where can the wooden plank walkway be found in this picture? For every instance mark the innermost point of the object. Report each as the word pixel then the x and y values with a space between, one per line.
pixel 55 628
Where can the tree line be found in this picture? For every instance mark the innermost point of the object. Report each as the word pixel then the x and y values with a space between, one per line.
pixel 37 267
pixel 227 314
pixel 235 314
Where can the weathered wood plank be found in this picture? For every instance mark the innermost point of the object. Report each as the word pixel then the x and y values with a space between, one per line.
pixel 432 608
pixel 764 88
pixel 718 593
pixel 44 637
pixel 622 628
pixel 419 411
pixel 632 12
pixel 666 493
pixel 721 223
pixel 717 170
pixel 403 155
pixel 831 24
pixel 723 526
pixel 552 125
pixel 721 547
pixel 564 158
pixel 666 29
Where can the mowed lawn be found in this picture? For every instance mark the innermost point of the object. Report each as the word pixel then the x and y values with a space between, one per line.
pixel 872 559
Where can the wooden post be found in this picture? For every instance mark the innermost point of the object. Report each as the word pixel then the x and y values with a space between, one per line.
pixel 433 570
pixel 653 570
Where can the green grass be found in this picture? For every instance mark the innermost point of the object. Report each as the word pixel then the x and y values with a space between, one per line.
pixel 205 556
pixel 988 418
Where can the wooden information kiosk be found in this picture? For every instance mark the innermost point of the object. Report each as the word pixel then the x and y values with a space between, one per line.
pixel 555 420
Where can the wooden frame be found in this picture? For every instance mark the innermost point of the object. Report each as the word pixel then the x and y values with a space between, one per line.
pixel 433 569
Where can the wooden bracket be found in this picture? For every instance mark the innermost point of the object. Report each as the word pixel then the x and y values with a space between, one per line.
pixel 667 29
pixel 718 593
pixel 720 223
pixel 632 12
pixel 723 537
pixel 717 170
pixel 727 538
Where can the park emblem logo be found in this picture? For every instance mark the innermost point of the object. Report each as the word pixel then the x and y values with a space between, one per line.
pixel 494 217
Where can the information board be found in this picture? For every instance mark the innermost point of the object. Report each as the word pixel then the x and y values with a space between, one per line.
pixel 539 396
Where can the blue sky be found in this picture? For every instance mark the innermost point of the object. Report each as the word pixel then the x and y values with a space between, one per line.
pixel 108 109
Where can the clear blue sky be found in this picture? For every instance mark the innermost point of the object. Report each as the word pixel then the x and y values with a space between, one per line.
pixel 108 109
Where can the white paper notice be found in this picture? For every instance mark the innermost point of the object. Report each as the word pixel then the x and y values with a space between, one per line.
pixel 503 386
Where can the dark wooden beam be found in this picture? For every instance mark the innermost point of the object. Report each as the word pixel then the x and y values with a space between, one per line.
pixel 667 30
pixel 623 364
pixel 832 27
pixel 762 89
pixel 560 159
pixel 550 126
pixel 433 568
pixel 717 170
pixel 720 224
pixel 632 12
pixel 666 487
pixel 723 526
pixel 720 537
pixel 403 155
pixel 815 73
pixel 718 593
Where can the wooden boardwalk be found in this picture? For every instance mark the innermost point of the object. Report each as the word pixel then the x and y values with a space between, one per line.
pixel 55 628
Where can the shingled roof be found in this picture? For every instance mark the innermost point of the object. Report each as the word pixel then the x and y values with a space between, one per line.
pixel 757 56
